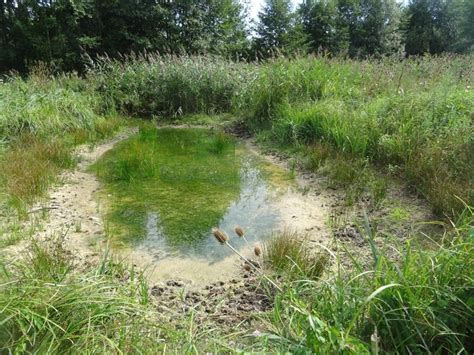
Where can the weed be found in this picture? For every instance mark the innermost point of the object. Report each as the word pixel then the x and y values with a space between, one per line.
pixel 288 253
pixel 31 165
pixel 64 311
pixel 220 142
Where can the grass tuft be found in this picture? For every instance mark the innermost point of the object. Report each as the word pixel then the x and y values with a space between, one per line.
pixel 290 254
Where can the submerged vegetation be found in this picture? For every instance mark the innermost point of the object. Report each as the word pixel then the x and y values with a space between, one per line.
pixel 361 123
pixel 188 177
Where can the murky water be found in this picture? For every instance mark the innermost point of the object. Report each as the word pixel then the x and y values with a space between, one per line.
pixel 253 210
pixel 165 189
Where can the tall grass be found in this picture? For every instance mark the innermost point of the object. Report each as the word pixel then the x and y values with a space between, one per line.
pixel 413 117
pixel 419 302
pixel 49 307
pixel 288 253
pixel 42 118
pixel 169 85
pixel 46 105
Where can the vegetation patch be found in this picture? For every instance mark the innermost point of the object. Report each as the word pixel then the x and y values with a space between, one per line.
pixel 188 177
pixel 420 300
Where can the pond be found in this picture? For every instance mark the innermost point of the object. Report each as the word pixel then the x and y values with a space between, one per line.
pixel 164 189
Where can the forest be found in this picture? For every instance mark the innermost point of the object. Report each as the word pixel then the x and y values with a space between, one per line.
pixel 179 177
pixel 66 34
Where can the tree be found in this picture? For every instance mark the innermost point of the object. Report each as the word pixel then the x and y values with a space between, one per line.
pixel 278 29
pixel 319 20
pixel 378 30
pixel 429 28
pixel 462 13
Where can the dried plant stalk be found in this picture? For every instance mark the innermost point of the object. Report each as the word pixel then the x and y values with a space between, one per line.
pixel 223 239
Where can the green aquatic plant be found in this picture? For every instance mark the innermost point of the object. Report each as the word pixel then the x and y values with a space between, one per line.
pixel 174 173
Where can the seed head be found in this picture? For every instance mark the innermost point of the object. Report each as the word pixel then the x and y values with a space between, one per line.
pixel 247 267
pixel 239 231
pixel 220 235
pixel 257 250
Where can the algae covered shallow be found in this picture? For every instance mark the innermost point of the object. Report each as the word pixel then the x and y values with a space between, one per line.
pixel 164 189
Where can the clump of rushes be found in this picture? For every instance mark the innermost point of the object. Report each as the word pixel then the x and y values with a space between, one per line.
pixel 222 238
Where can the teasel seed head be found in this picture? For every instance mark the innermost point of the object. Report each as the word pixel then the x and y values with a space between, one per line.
pixel 239 231
pixel 247 267
pixel 220 235
pixel 257 250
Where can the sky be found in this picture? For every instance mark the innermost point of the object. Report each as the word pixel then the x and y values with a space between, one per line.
pixel 256 5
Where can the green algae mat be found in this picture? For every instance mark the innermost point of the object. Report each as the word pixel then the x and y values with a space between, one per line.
pixel 166 188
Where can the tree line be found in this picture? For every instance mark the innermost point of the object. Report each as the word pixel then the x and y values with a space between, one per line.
pixel 64 33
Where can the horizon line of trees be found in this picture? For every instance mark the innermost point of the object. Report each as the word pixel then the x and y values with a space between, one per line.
pixel 64 32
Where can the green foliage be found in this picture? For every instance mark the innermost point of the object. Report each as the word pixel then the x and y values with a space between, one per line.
pixel 44 105
pixel 67 34
pixel 168 85
pixel 288 253
pixel 170 172
pixel 64 33
pixel 48 307
pixel 30 166
pixel 278 30
pixel 42 118
pixel 423 301
pixel 383 112
pixel 358 28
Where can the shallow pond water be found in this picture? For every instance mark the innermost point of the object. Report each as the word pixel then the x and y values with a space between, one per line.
pixel 164 190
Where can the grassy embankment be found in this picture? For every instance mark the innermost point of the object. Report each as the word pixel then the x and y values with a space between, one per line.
pixel 411 119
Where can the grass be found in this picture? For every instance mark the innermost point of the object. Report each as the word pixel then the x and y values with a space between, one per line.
pixel 48 307
pixel 356 121
pixel 420 301
pixel 42 118
pixel 169 86
pixel 288 253
pixel 31 165
pixel 412 119
pixel 43 105
pixel 189 177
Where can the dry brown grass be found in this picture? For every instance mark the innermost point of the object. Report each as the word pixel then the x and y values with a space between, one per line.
pixel 31 165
